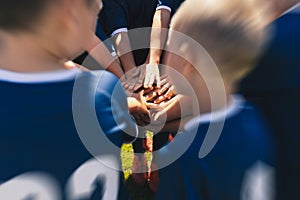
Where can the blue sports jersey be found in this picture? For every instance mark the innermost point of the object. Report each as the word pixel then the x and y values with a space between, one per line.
pixel 278 67
pixel 274 86
pixel 38 136
pixel 132 14
pixel 244 141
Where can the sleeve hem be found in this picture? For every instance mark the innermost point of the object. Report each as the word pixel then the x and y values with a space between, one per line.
pixel 119 30
pixel 164 7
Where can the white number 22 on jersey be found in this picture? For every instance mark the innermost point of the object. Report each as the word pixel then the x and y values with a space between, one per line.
pixel 81 184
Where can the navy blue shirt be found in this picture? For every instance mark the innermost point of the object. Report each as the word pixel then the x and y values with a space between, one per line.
pixel 132 14
pixel 278 67
pixel 244 141
pixel 274 86
pixel 172 4
pixel 38 132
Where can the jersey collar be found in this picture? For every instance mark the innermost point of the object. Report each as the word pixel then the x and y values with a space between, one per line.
pixel 44 77
pixel 235 106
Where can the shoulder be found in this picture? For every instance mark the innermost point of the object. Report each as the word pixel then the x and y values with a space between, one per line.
pixel 100 86
pixel 100 79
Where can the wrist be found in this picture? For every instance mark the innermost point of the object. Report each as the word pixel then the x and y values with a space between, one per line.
pixel 154 62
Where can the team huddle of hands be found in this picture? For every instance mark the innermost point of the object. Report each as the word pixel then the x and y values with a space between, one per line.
pixel 152 99
pixel 150 95
pixel 154 102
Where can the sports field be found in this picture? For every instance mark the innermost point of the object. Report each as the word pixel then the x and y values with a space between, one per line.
pixel 138 192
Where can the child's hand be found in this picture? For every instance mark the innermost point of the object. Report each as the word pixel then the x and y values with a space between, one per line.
pixel 138 109
pixel 132 81
pixel 151 75
pixel 164 93
pixel 158 114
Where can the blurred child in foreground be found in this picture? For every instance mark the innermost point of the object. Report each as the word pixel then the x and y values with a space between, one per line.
pixel 232 150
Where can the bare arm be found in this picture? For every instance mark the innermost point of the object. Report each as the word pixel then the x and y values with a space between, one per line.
pixel 158 38
pixel 101 54
pixel 159 34
pixel 123 48
pixel 172 126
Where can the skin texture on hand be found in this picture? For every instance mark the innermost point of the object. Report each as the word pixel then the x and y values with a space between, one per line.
pixel 161 103
pixel 132 81
pixel 138 109
pixel 164 93
pixel 152 75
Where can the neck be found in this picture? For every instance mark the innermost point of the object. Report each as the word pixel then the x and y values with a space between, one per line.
pixel 24 53
pixel 217 98
pixel 279 7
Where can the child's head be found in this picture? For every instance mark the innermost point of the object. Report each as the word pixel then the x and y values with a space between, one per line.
pixel 231 31
pixel 61 25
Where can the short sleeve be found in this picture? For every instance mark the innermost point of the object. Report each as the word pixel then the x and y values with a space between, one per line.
pixel 103 37
pixel 100 108
pixel 171 5
pixel 113 16
pixel 165 4
pixel 112 110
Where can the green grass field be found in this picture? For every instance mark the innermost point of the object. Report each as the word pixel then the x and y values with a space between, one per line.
pixel 136 192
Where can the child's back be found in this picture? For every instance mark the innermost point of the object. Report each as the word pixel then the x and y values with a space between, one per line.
pixel 222 174
pixel 231 137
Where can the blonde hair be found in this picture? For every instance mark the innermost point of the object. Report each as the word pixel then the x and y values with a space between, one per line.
pixel 231 31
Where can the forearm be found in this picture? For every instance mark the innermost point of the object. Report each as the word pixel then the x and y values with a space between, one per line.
pixel 101 54
pixel 123 49
pixel 176 108
pixel 105 59
pixel 179 106
pixel 159 34
pixel 176 125
pixel 116 69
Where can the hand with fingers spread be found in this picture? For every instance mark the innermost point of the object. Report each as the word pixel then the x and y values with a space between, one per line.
pixel 164 93
pixel 151 76
pixel 151 94
pixel 132 81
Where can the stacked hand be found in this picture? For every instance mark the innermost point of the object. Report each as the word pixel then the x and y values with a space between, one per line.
pixel 153 99
pixel 151 76
pixel 138 109
pixel 153 105
pixel 132 80
pixel 160 94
